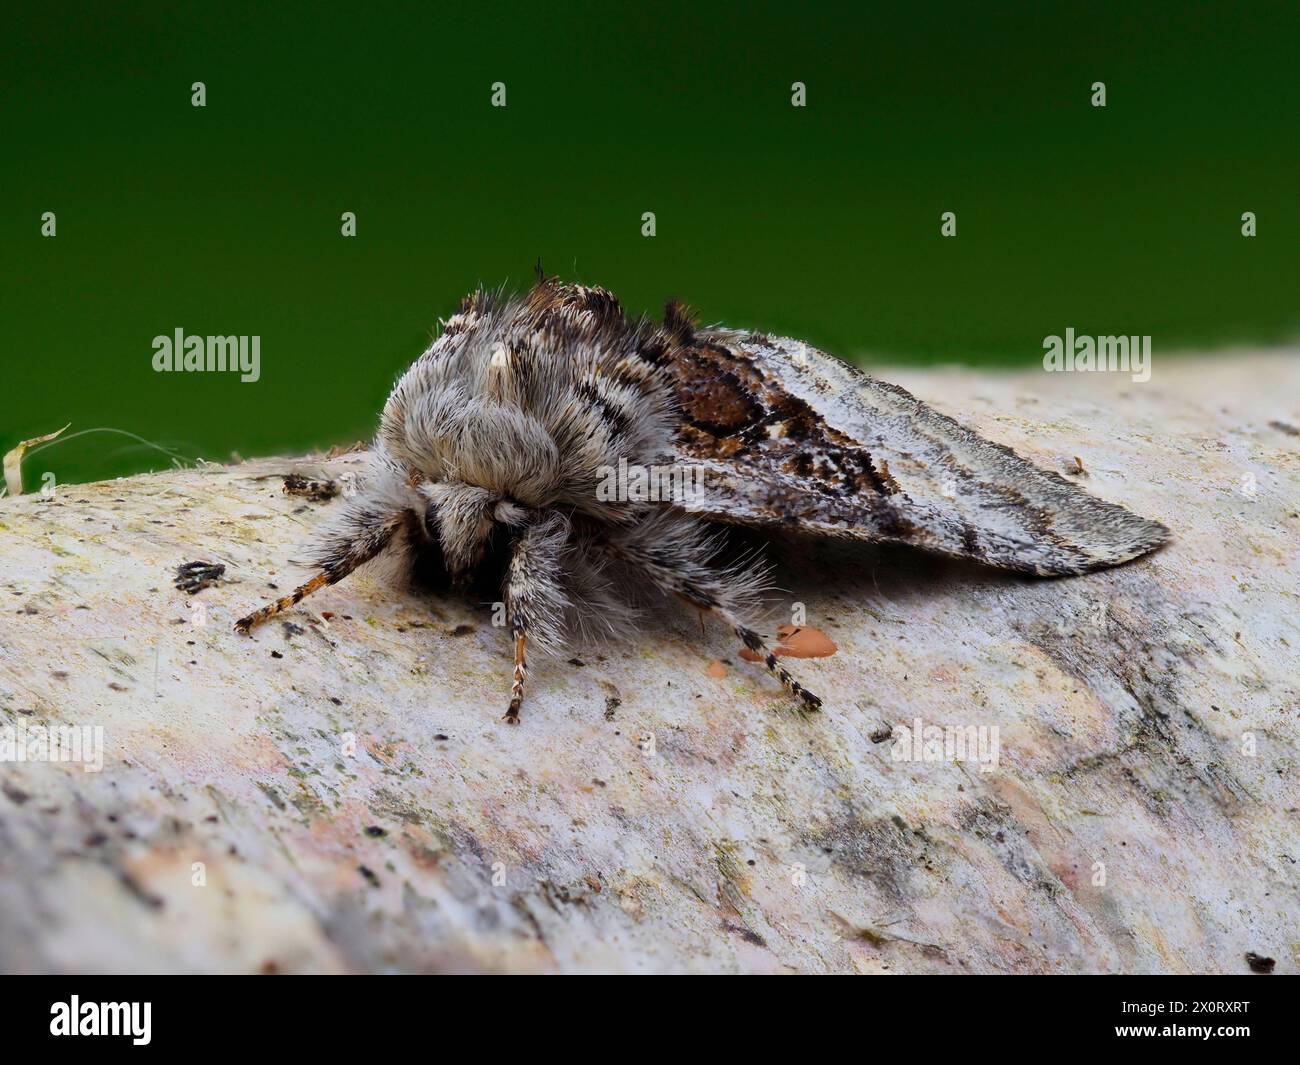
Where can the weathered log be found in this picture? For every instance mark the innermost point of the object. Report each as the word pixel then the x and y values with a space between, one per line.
pixel 338 792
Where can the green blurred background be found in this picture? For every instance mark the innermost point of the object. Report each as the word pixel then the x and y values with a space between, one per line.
pixel 820 222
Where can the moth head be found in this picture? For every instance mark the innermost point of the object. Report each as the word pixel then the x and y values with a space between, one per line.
pixel 462 517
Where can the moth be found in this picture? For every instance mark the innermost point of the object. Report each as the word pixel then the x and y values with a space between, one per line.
pixel 486 474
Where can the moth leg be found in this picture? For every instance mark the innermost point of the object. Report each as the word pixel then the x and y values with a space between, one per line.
pixel 755 643
pixel 534 595
pixel 277 606
pixel 521 671
pixel 674 565
pixel 365 536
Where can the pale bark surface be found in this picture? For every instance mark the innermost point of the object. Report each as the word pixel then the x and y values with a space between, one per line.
pixel 742 837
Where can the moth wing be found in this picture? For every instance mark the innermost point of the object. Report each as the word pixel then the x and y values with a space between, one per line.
pixel 787 434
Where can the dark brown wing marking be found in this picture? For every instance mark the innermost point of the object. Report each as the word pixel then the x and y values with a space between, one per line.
pixel 730 413
pixel 790 435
